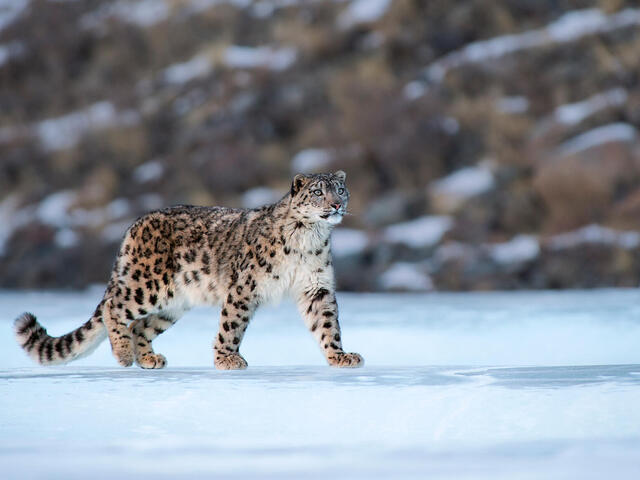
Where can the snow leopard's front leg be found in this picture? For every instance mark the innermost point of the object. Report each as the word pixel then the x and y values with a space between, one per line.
pixel 320 311
pixel 234 319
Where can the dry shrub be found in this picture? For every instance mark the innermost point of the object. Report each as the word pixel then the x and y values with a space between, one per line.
pixel 610 6
pixel 314 40
pixel 626 212
pixel 520 208
pixel 508 137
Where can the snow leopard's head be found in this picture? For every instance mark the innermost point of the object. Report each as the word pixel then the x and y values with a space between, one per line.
pixel 320 197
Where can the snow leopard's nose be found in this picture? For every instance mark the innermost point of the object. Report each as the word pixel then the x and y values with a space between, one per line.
pixel 336 206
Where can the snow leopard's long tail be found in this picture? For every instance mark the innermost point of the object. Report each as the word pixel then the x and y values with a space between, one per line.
pixel 48 350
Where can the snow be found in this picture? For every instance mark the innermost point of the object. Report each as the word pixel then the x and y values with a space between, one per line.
pixel 452 251
pixel 277 59
pixel 259 196
pixel 10 10
pixel 513 105
pixel 54 209
pixel 9 51
pixel 595 234
pixel 574 113
pixel 311 160
pixel 143 13
pixel 567 28
pixel 348 241
pixel 197 67
pixel 450 125
pixel 150 201
pixel 466 182
pixel 199 6
pixel 422 232
pixel 66 238
pixel 363 11
pixel 118 208
pixel 59 210
pixel 405 276
pixel 414 90
pixel 612 132
pixel 521 248
pixel 66 131
pixel 148 172
pixel 474 386
pixel 12 218
pixel 114 231
pixel 266 8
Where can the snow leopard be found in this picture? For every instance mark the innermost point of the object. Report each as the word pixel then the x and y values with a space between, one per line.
pixel 173 259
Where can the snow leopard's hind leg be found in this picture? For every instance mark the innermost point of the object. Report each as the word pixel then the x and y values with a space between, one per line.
pixel 118 331
pixel 144 331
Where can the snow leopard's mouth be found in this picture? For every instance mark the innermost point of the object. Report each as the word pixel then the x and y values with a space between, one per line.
pixel 333 217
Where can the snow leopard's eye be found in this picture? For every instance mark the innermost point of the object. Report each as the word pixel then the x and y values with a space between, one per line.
pixel 317 192
pixel 340 191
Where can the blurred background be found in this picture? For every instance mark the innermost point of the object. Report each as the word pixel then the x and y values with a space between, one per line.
pixel 489 144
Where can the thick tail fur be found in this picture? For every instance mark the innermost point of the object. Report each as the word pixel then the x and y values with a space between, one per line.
pixel 48 350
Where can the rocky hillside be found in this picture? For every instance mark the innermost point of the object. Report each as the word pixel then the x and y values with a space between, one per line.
pixel 488 144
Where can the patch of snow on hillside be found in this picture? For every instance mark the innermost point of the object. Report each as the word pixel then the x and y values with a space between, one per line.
pixel 199 6
pixel 179 73
pixel 54 210
pixel 520 249
pixel 423 232
pixel 414 90
pixel 311 160
pixel 66 131
pixel 567 28
pixel 9 51
pixel 12 218
pixel 404 276
pixel 452 251
pixel 348 241
pixel 148 172
pixel 143 13
pixel 118 208
pixel 10 10
pixel 513 105
pixel 150 201
pixel 363 11
pixel 595 234
pixel 57 210
pixel 277 59
pixel 466 182
pixel 114 232
pixel 259 196
pixel 450 125
pixel 613 132
pixel 66 238
pixel 574 113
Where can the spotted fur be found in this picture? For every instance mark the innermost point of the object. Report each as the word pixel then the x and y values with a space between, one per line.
pixel 173 259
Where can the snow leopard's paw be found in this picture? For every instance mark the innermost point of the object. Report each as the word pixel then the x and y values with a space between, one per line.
pixel 123 351
pixel 151 360
pixel 346 360
pixel 233 361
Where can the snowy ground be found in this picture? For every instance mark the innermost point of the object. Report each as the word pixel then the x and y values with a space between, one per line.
pixel 471 386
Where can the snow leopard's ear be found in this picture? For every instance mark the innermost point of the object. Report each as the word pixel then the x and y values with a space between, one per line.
pixel 299 181
pixel 341 175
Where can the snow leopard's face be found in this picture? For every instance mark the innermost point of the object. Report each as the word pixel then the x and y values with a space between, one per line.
pixel 321 197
